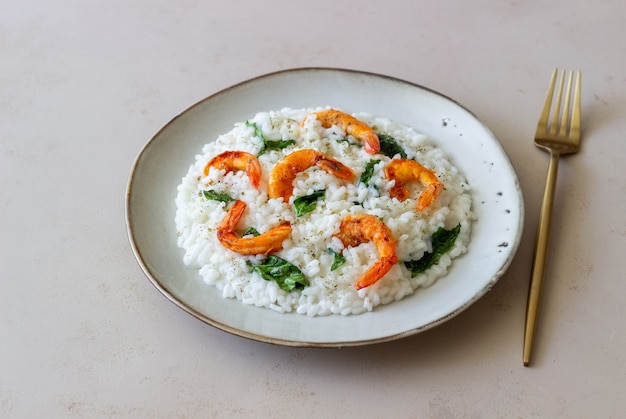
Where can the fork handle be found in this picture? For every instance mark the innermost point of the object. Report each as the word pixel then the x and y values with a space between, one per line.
pixel 539 260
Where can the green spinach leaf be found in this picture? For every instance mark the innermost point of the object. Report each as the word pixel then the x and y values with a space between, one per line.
pixel 305 204
pixel 217 196
pixel 251 231
pixel 268 144
pixel 443 240
pixel 286 275
pixel 366 176
pixel 278 144
pixel 390 147
pixel 339 259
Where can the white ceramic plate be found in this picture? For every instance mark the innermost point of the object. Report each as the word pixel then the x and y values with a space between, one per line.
pixel 165 159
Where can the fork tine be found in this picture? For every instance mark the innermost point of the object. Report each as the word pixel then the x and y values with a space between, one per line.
pixel 564 125
pixel 575 126
pixel 542 125
pixel 557 107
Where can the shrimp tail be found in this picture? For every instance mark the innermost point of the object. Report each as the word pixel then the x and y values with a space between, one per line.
pixel 375 272
pixel 428 196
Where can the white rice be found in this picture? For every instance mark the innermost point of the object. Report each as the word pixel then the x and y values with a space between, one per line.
pixel 329 292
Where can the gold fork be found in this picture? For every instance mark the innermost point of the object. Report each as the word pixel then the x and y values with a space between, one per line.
pixel 559 135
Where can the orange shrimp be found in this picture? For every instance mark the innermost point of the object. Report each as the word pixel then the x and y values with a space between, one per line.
pixel 357 229
pixel 284 173
pixel 268 242
pixel 403 171
pixel 237 160
pixel 351 126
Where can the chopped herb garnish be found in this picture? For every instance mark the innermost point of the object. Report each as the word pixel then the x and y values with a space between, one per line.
pixel 390 147
pixel 305 204
pixel 442 240
pixel 287 276
pixel 366 176
pixel 216 196
pixel 251 231
pixel 346 140
pixel 268 144
pixel 339 259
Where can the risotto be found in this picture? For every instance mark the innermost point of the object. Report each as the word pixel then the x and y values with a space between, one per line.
pixel 325 267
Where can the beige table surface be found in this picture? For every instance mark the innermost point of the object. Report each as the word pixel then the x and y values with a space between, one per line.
pixel 85 84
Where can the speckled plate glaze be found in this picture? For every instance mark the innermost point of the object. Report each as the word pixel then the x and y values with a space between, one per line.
pixel 473 148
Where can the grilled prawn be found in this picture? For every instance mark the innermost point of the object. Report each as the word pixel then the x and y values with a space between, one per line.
pixel 352 126
pixel 268 242
pixel 361 228
pixel 237 160
pixel 284 173
pixel 403 171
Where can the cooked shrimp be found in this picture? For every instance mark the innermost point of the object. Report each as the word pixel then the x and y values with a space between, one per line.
pixel 403 171
pixel 357 229
pixel 268 242
pixel 351 126
pixel 284 172
pixel 237 160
